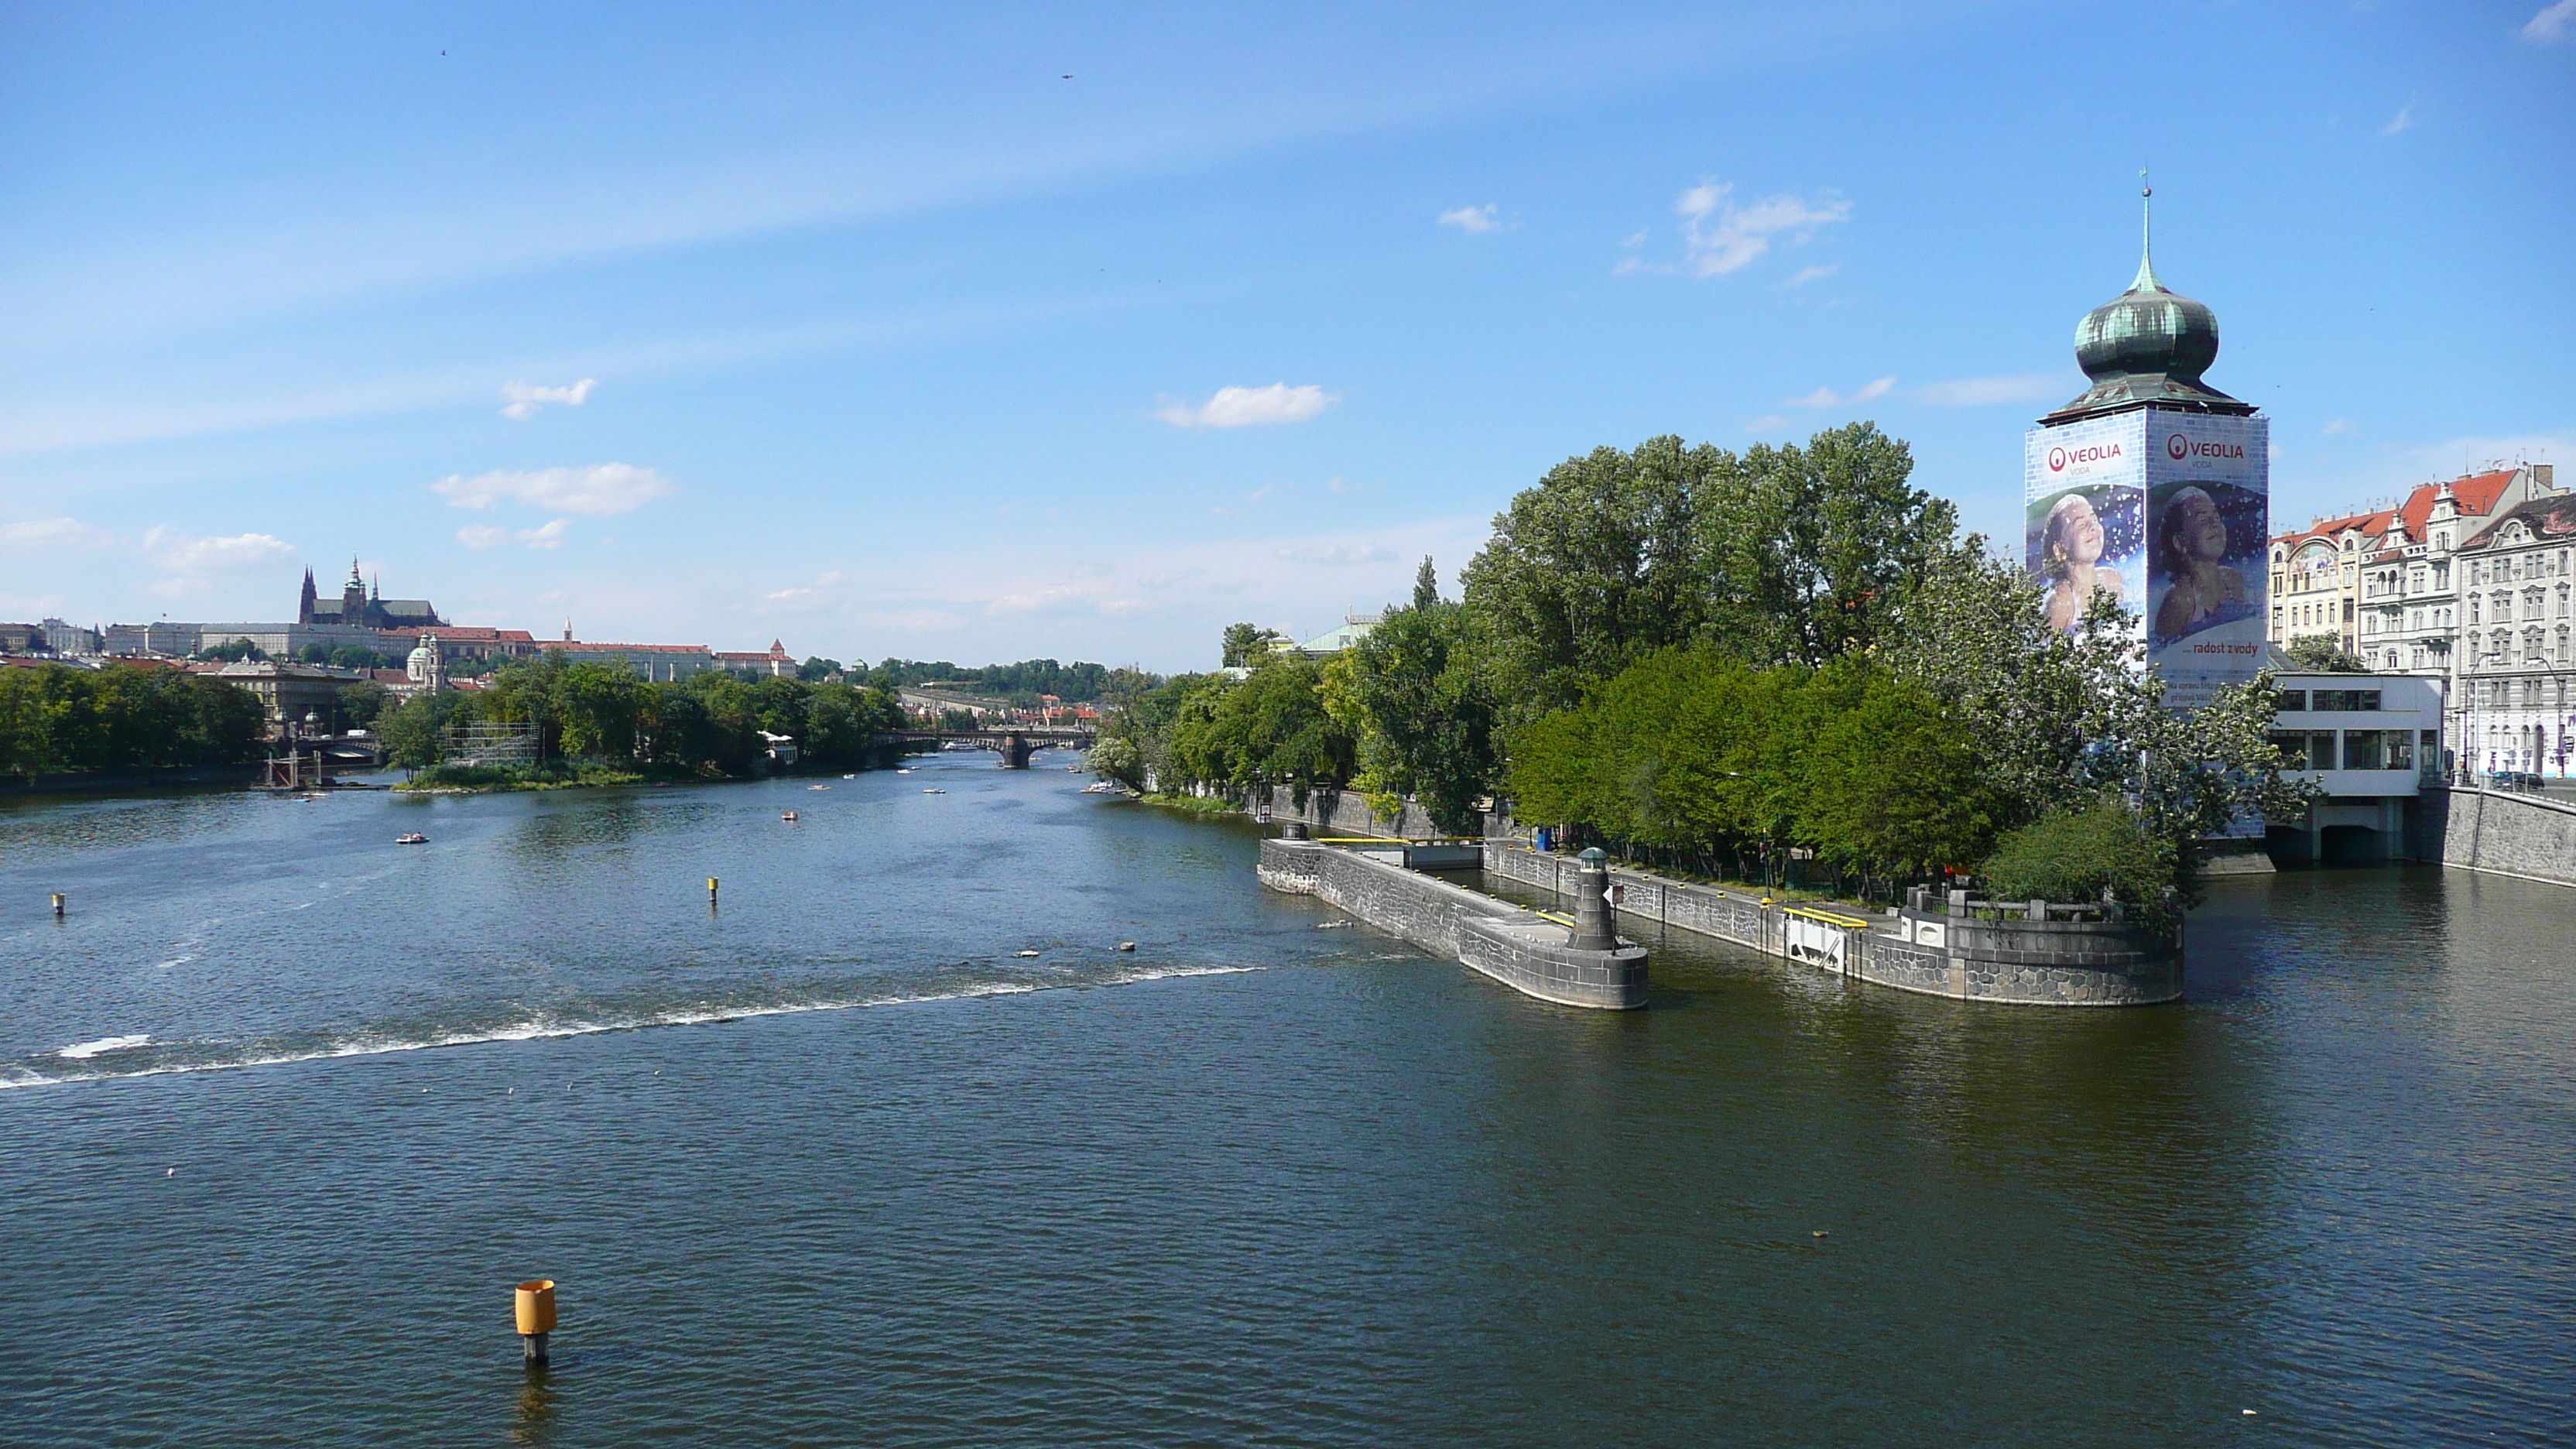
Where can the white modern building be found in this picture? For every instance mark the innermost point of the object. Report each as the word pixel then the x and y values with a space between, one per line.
pixel 2370 742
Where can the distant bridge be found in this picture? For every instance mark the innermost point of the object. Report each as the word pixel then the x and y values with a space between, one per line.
pixel 1015 743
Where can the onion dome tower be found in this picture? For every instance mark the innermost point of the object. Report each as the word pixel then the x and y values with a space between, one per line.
pixel 2147 346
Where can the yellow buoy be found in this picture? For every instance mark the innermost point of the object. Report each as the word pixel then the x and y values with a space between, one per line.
pixel 537 1306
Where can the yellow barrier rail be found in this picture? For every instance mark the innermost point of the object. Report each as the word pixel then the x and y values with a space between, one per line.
pixel 1831 918
pixel 1396 840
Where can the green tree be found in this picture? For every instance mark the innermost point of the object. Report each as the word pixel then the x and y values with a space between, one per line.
pixel 816 667
pixel 1247 644
pixel 2101 851
pixel 361 703
pixel 2324 654
pixel 1597 564
pixel 1415 696
pixel 413 732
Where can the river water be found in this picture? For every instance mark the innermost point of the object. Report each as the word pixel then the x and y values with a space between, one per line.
pixel 289 1107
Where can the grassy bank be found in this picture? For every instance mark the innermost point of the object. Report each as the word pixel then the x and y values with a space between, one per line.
pixel 552 775
pixel 1204 805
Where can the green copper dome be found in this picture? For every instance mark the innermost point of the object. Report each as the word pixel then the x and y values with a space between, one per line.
pixel 2147 345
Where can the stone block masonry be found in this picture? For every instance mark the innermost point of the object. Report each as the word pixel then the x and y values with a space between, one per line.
pixel 1515 946
pixel 2525 836
pixel 2013 962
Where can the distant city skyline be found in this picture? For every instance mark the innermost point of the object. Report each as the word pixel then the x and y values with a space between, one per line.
pixel 1028 334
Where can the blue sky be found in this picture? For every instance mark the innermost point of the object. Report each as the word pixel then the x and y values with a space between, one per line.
pixel 875 332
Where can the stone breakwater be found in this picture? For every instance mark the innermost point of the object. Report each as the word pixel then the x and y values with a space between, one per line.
pixel 2012 962
pixel 1515 946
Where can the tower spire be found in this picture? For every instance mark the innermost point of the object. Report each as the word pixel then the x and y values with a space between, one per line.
pixel 2146 281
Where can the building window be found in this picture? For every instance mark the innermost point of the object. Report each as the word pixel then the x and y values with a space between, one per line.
pixel 2353 700
pixel 2361 750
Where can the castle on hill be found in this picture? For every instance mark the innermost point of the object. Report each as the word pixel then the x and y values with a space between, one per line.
pixel 365 608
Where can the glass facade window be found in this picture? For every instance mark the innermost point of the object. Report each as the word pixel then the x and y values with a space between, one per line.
pixel 2294 701
pixel 2361 750
pixel 2345 699
pixel 2397 749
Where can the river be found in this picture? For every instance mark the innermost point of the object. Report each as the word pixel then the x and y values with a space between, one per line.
pixel 288 1107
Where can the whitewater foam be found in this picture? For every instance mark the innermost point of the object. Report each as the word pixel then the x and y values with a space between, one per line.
pixel 82 1051
pixel 369 1046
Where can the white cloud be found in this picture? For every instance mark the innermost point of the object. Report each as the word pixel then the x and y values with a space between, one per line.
pixel 1470 219
pixel 2551 24
pixel 52 533
pixel 2345 425
pixel 1825 397
pixel 598 491
pixel 213 555
pixel 1766 424
pixel 482 535
pixel 1804 275
pixel 2406 116
pixel 550 536
pixel 1977 392
pixel 1336 553
pixel 1241 407
pixel 1723 237
pixel 526 398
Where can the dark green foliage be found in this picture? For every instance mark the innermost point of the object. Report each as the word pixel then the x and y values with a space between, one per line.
pixel 2324 654
pixel 1079 683
pixel 1245 645
pixel 362 702
pixel 816 667
pixel 709 725
pixel 233 651
pixel 1268 729
pixel 57 718
pixel 2095 852
pixel 1415 695
pixel 1700 760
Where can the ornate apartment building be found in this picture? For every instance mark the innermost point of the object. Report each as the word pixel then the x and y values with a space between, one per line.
pixel 2465 582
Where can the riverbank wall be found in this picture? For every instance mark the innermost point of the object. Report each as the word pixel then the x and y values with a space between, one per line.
pixel 2013 959
pixel 1346 812
pixel 2528 837
pixel 1512 944
pixel 74 781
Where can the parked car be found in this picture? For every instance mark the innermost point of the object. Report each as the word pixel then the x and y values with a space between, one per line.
pixel 2513 780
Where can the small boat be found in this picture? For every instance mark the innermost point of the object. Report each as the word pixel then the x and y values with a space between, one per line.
pixel 818 787
pixel 790 815
pixel 1099 787
pixel 1024 955
pixel 411 838
pixel 934 790
pixel 849 777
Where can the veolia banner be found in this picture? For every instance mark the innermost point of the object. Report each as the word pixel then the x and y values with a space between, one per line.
pixel 2084 491
pixel 2208 518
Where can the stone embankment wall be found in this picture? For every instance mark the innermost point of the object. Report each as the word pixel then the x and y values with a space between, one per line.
pixel 2017 962
pixel 2498 832
pixel 1506 942
pixel 1346 812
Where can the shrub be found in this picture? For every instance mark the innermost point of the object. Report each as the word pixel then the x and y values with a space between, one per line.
pixel 2078 855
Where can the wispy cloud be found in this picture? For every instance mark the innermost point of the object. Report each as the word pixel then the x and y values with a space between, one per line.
pixel 52 533
pixel 482 535
pixel 182 554
pixel 1977 392
pixel 1769 423
pixel 2338 426
pixel 598 491
pixel 1336 553
pixel 549 536
pixel 1242 407
pixel 2405 116
pixel 1825 397
pixel 526 398
pixel 1804 275
pixel 1721 237
pixel 2552 24
pixel 1471 219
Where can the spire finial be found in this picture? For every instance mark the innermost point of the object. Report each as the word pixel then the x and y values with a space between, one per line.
pixel 2146 281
